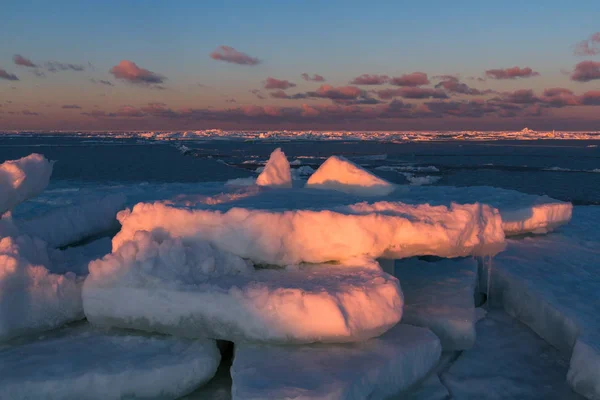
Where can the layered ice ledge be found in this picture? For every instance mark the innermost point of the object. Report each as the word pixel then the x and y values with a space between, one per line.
pixel 383 229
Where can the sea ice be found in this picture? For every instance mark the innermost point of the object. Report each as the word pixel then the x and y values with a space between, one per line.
pixel 66 225
pixel 277 171
pixel 551 284
pixel 164 287
pixel 508 361
pixel 84 363
pixel 440 296
pixel 338 173
pixel 375 369
pixel 384 229
pixel 23 178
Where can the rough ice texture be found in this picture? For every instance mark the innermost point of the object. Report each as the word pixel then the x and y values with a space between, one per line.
pixel 22 179
pixel 508 361
pixel 277 171
pixel 375 369
pixel 389 230
pixel 440 296
pixel 32 298
pixel 301 304
pixel 83 363
pixel 551 284
pixel 73 223
pixel 338 173
pixel 431 388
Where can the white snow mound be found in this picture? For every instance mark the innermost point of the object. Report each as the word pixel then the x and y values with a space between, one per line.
pixel 22 179
pixel 277 171
pixel 338 173
pixel 145 285
pixel 383 229
pixel 83 363
pixel 375 369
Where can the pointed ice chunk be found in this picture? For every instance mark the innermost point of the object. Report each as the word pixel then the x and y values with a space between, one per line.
pixel 375 369
pixel 22 179
pixel 338 173
pixel 440 296
pixel 277 171
pixel 84 363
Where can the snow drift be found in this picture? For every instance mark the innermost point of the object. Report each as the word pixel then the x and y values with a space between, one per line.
pixel 338 173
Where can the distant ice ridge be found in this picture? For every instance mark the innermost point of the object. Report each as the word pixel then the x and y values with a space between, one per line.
pixel 22 179
pixel 340 174
pixel 210 293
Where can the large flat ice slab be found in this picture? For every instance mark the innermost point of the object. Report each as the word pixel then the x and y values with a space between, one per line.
pixel 338 173
pixel 508 361
pixel 551 283
pixel 440 296
pixel 383 229
pixel 23 178
pixel 83 363
pixel 375 369
pixel 165 290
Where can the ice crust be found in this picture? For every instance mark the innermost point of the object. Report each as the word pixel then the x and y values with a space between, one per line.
pixel 375 369
pixel 84 363
pixel 22 179
pixel 440 296
pixel 343 303
pixel 338 173
pixel 390 230
pixel 277 171
pixel 550 283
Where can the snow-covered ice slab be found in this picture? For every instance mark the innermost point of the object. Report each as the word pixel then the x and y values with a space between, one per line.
pixel 551 283
pixel 388 230
pixel 163 291
pixel 375 369
pixel 23 178
pixel 70 224
pixel 338 173
pixel 508 361
pixel 440 296
pixel 277 171
pixel 84 363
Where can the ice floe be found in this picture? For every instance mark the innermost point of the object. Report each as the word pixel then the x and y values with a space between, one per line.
pixel 83 363
pixel 276 172
pixel 343 303
pixel 23 178
pixel 374 369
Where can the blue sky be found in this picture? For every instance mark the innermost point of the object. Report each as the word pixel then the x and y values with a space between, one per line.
pixel 336 39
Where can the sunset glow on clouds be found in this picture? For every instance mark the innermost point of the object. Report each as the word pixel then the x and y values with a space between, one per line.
pixel 221 71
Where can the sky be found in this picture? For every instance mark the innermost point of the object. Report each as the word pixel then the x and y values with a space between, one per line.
pixel 306 65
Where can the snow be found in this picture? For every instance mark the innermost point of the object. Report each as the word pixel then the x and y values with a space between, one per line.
pixel 440 296
pixel 343 303
pixel 66 225
pixel 21 179
pixel 32 298
pixel 382 229
pixel 508 361
pixel 83 363
pixel 430 389
pixel 374 369
pixel 338 173
pixel 551 284
pixel 276 172
pixel 420 180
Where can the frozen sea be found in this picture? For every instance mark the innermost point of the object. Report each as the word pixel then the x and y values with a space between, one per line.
pixel 530 360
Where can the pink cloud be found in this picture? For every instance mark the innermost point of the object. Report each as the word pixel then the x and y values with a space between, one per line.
pixel 338 93
pixel 279 94
pixel 453 85
pixel 366 79
pixel 8 76
pixel 412 93
pixel 591 98
pixel 414 79
pixel 273 83
pixel 130 72
pixel 258 94
pixel 588 47
pixel 71 106
pixel 586 71
pixel 313 78
pixel 511 73
pixel 22 61
pixel 523 96
pixel 231 55
pixel 560 97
